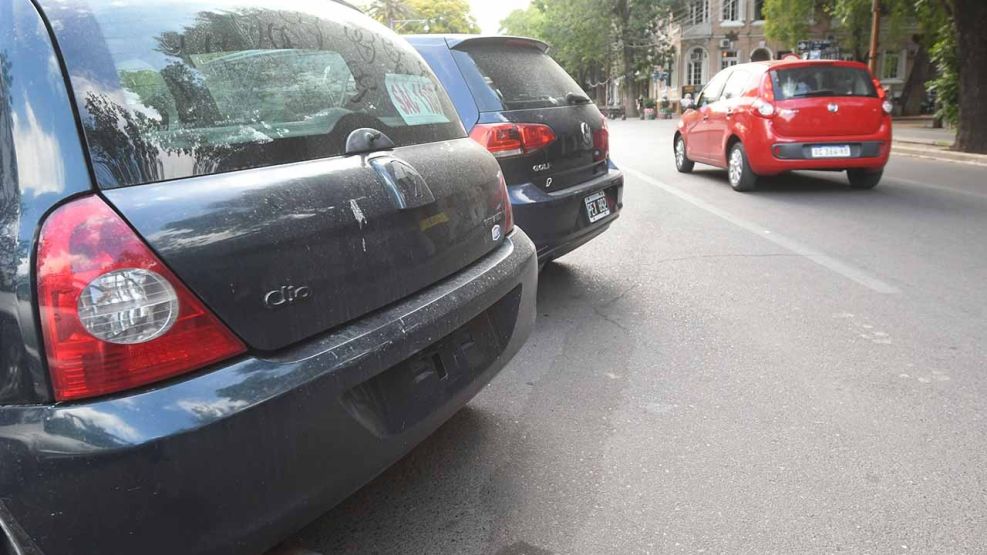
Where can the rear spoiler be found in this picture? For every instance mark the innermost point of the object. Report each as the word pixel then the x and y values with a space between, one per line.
pixel 461 41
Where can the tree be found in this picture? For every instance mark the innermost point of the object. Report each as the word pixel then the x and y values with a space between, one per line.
pixel 389 11
pixel 442 16
pixel 636 26
pixel 968 17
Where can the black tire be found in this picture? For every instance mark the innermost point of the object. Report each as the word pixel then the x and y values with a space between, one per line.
pixel 864 179
pixel 682 162
pixel 742 178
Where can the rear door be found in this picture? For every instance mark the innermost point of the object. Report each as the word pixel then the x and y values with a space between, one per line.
pixel 819 99
pixel 514 80
pixel 219 131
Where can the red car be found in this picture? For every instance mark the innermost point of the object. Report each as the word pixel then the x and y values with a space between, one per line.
pixel 765 118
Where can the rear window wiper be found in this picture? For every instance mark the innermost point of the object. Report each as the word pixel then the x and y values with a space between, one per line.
pixel 823 92
pixel 576 98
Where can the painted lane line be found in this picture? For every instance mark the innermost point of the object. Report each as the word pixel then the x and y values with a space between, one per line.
pixel 826 261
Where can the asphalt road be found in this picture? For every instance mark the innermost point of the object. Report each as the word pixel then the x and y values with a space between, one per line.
pixel 798 369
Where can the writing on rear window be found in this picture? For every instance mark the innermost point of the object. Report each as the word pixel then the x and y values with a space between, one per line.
pixel 416 98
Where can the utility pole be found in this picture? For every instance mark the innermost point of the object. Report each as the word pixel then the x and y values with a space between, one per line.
pixel 875 32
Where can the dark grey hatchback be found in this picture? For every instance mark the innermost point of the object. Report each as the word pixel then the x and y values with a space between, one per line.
pixel 249 258
pixel 551 141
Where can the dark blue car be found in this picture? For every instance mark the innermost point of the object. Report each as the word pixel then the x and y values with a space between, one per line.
pixel 550 139
pixel 249 257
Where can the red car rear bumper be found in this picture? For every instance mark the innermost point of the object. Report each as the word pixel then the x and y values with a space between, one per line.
pixel 770 153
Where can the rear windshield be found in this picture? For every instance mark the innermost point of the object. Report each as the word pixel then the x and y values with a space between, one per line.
pixel 822 80
pixel 175 90
pixel 515 77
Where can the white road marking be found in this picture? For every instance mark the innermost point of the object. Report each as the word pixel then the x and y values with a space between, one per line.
pixel 826 261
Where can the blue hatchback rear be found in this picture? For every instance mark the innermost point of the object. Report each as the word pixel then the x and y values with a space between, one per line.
pixel 551 141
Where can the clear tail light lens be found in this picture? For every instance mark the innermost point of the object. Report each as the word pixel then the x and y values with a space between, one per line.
pixel 887 106
pixel 763 108
pixel 128 306
pixel 113 316
pixel 512 139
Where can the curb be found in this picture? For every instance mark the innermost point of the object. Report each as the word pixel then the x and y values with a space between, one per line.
pixel 934 152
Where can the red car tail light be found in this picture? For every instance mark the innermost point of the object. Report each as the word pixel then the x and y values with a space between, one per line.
pixel 764 104
pixel 512 139
pixel 113 316
pixel 601 142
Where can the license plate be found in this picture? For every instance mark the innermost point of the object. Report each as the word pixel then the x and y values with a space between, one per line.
pixel 831 151
pixel 597 207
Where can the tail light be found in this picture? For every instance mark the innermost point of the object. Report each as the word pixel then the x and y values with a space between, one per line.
pixel 505 199
pixel 887 106
pixel 764 103
pixel 512 139
pixel 113 316
pixel 601 142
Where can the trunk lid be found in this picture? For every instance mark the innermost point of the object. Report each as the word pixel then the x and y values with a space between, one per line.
pixel 575 156
pixel 825 100
pixel 284 253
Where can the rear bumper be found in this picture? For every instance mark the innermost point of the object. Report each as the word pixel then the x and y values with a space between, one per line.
pixel 557 222
pixel 234 459
pixel 771 154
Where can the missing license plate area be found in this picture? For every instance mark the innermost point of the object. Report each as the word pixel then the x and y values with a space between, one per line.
pixel 831 151
pixel 597 207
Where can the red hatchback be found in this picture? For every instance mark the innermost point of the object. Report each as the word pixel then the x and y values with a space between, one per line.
pixel 766 118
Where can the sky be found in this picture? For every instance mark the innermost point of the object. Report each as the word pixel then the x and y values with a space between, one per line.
pixel 488 13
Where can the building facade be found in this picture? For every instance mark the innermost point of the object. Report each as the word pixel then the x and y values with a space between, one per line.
pixel 711 35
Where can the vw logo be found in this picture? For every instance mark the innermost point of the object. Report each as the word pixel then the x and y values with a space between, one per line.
pixel 587 134
pixel 833 107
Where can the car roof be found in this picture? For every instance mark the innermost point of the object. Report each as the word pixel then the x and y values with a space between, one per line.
pixel 459 40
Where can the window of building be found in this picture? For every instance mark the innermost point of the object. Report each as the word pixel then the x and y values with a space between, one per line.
pixel 698 12
pixel 729 58
pixel 731 10
pixel 695 67
pixel 758 10
pixel 891 65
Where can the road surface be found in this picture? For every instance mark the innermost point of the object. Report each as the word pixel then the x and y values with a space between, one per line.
pixel 798 369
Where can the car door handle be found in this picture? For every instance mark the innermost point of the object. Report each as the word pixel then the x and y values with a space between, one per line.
pixel 705 117
pixel 729 113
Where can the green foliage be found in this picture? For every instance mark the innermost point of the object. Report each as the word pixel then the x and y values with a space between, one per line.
pixel 946 85
pixel 386 11
pixel 444 16
pixel 787 21
pixel 577 30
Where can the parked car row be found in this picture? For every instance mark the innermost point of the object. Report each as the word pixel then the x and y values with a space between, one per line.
pixel 254 252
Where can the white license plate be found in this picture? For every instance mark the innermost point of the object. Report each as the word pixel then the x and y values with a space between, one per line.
pixel 831 151
pixel 597 207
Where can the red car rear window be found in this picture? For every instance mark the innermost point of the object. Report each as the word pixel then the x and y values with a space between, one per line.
pixel 821 80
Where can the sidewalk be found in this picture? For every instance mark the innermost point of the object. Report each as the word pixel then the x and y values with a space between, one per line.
pixel 916 137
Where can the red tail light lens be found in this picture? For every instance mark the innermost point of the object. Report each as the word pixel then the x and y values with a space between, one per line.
pixel 601 142
pixel 766 91
pixel 113 316
pixel 512 139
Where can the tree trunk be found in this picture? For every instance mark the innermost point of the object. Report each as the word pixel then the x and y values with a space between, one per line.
pixel 971 46
pixel 913 93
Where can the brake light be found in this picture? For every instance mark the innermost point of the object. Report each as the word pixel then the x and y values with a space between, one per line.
pixel 764 103
pixel 512 139
pixel 601 142
pixel 766 91
pixel 112 315
pixel 505 202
